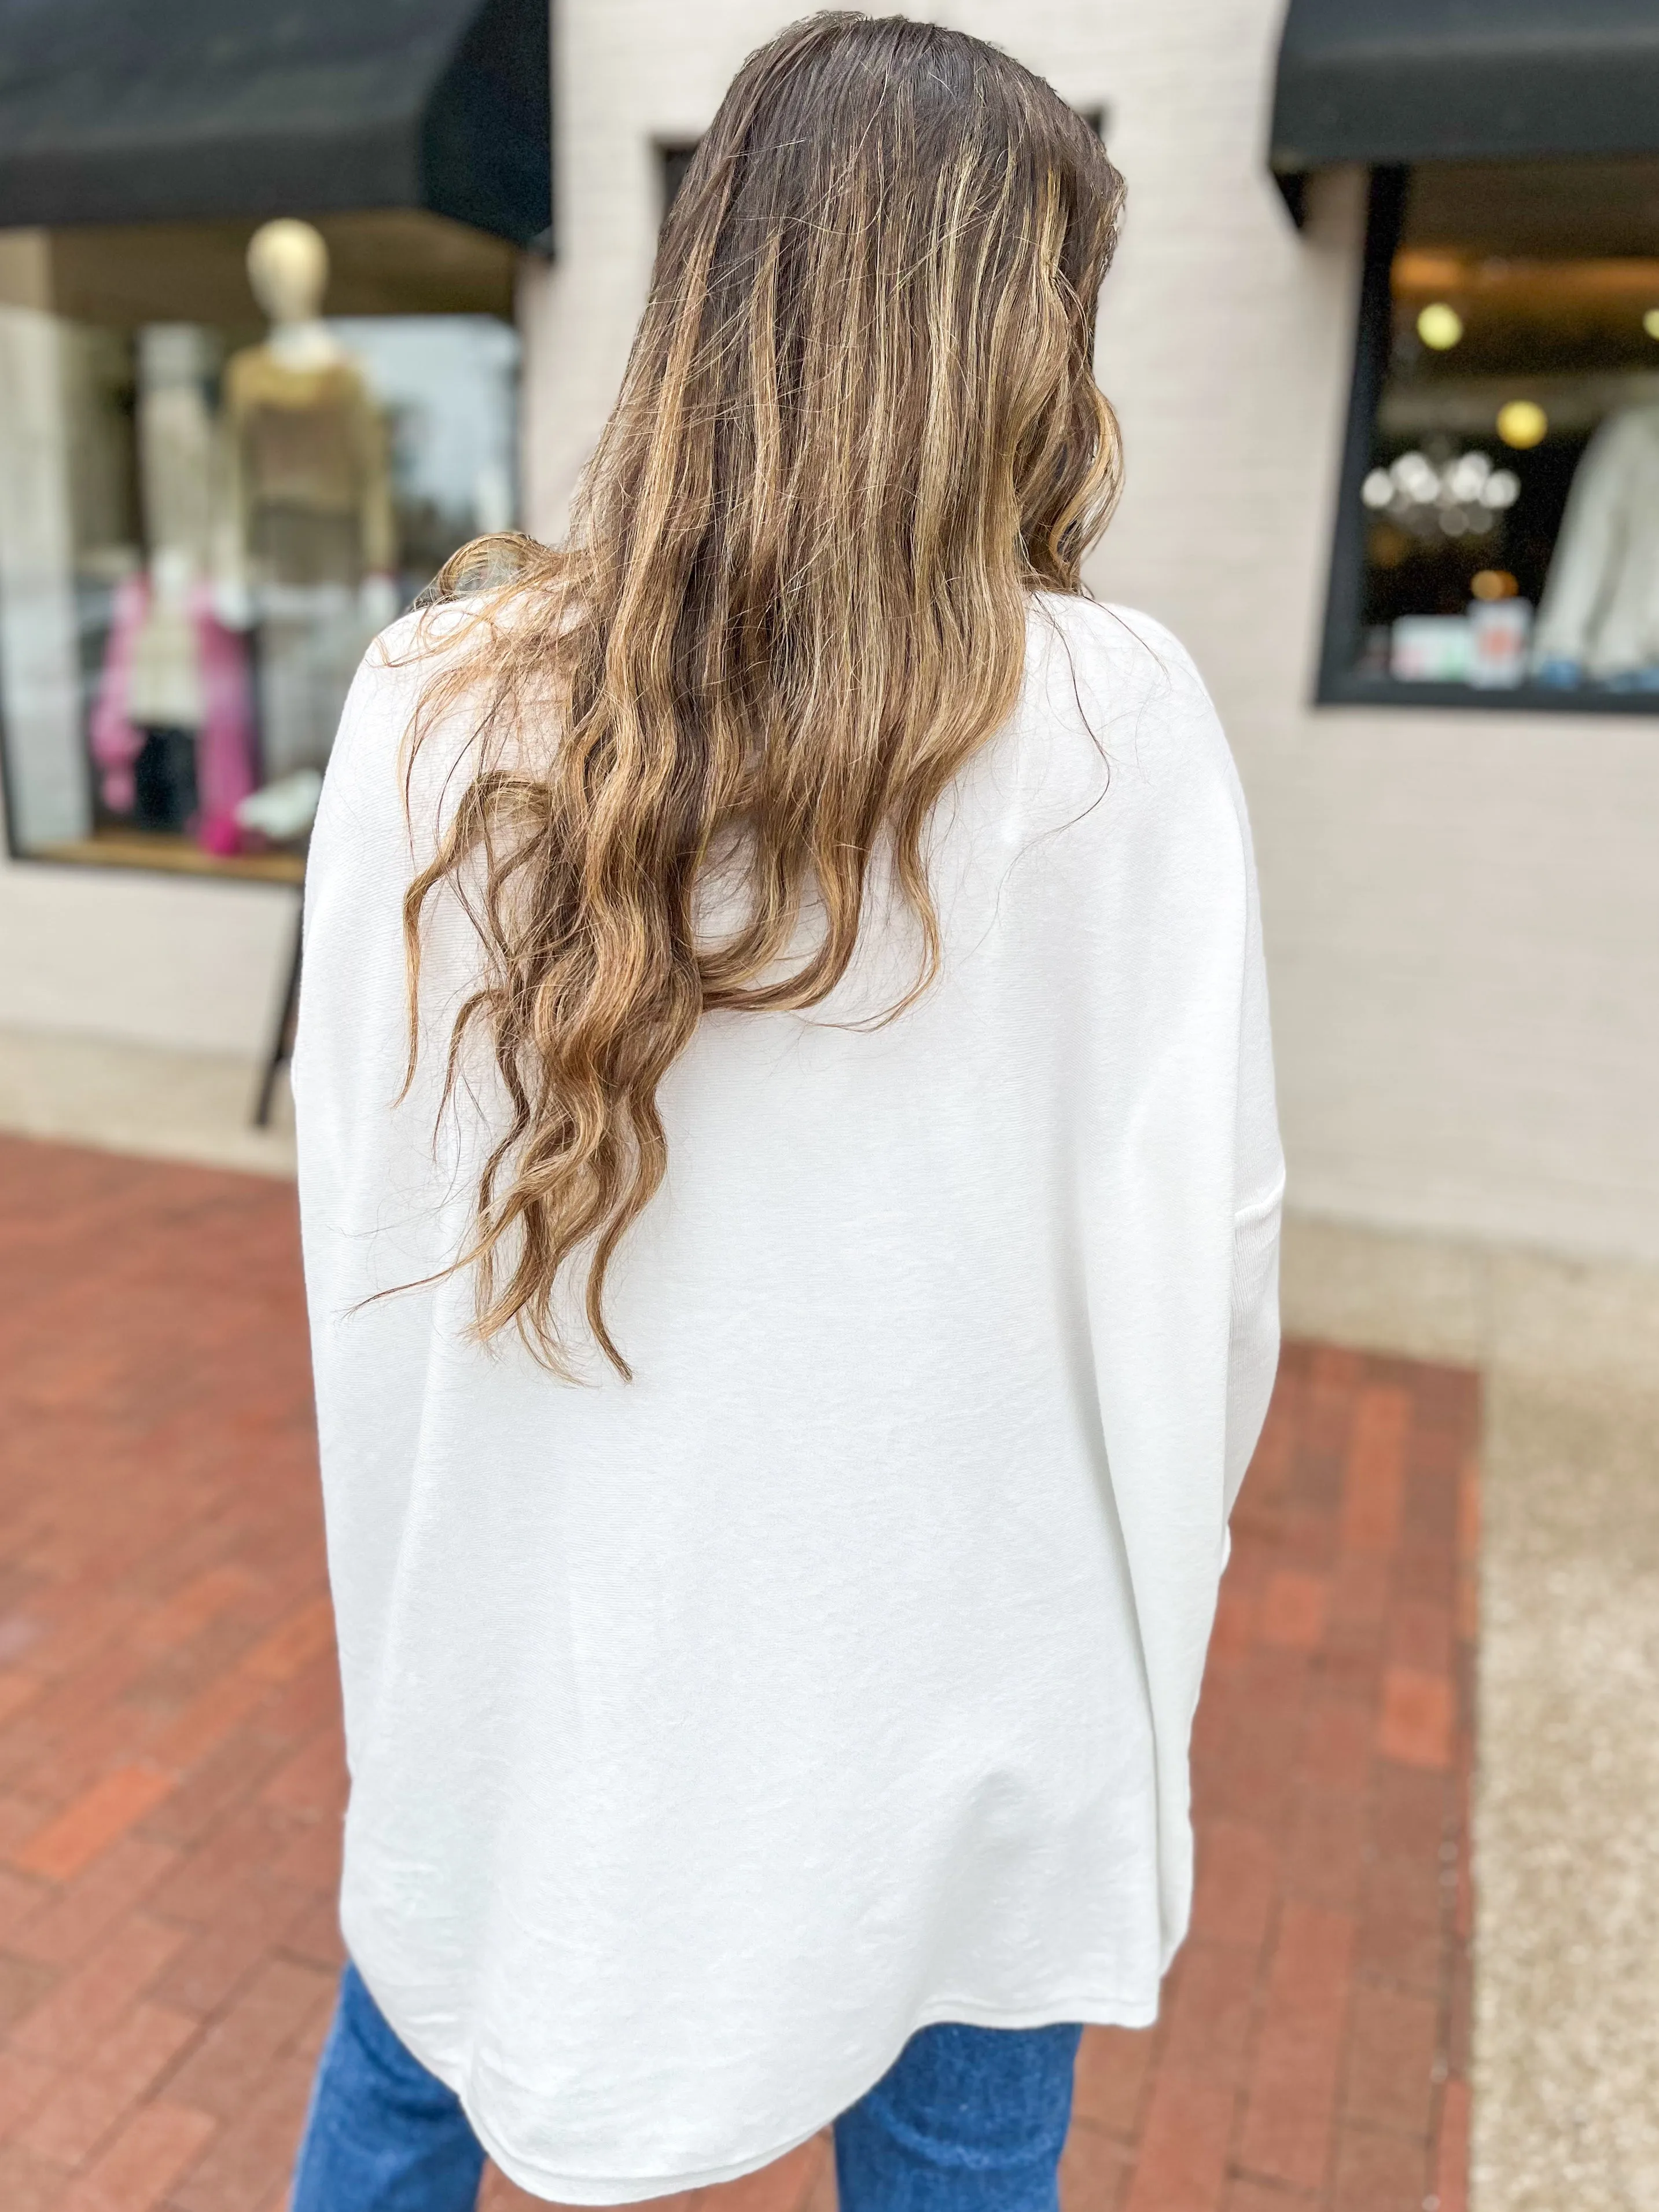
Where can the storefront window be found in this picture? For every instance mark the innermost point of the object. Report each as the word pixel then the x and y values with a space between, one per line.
pixel 1499 536
pixel 228 455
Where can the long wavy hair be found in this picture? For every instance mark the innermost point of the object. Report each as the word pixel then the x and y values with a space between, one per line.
pixel 857 428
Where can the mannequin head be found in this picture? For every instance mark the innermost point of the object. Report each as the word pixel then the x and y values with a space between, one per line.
pixel 288 271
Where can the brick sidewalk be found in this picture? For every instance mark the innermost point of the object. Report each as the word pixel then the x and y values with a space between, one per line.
pixel 171 1784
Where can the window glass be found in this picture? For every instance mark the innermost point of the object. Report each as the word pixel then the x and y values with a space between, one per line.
pixel 228 456
pixel 1507 497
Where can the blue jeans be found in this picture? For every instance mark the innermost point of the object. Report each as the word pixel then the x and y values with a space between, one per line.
pixel 967 2119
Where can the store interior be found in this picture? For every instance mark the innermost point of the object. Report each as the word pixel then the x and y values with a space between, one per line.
pixel 235 452
pixel 1511 490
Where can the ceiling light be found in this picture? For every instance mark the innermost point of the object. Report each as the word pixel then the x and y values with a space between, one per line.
pixel 1465 475
pixel 1439 325
pixel 1523 422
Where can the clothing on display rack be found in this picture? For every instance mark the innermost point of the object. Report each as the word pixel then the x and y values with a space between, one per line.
pixel 172 731
pixel 165 700
pixel 164 780
pixel 216 494
pixel 174 672
pixel 176 369
pixel 1599 612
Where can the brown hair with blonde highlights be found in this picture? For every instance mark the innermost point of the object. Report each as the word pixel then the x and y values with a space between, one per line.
pixel 859 427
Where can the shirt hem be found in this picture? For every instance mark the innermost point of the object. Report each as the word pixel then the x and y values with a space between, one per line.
pixel 556 2187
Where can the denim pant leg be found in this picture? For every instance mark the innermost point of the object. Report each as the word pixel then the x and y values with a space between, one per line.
pixel 967 2119
pixel 382 2135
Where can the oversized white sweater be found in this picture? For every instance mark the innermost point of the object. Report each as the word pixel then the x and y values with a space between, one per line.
pixel 711 1733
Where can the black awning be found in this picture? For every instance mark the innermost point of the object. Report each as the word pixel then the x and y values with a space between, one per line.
pixel 1404 81
pixel 147 110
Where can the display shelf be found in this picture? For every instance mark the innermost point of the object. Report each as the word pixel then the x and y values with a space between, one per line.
pixel 137 848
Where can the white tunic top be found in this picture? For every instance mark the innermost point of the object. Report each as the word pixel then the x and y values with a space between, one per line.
pixel 711 1733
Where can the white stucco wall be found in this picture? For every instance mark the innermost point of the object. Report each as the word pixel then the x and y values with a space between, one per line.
pixel 1462 909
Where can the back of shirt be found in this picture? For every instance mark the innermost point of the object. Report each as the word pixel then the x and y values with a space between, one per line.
pixel 711 1732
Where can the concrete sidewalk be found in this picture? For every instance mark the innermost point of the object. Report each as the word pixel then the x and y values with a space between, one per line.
pixel 1566 1820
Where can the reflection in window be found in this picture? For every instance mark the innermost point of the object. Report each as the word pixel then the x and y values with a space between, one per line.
pixel 206 517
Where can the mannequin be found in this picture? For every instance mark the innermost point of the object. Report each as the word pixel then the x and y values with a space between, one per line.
pixel 308 553
pixel 287 275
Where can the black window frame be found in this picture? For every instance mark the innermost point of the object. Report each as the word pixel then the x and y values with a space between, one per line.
pixel 1336 683
pixel 673 159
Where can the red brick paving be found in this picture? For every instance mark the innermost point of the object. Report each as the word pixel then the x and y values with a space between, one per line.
pixel 171 1781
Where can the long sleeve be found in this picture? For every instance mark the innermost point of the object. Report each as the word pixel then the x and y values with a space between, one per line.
pixel 1180 1189
pixel 1259 1185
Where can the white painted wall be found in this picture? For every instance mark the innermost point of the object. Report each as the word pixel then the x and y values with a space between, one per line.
pixel 1462 909
pixel 179 961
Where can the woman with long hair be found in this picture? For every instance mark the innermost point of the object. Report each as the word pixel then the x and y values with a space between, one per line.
pixel 790 1189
